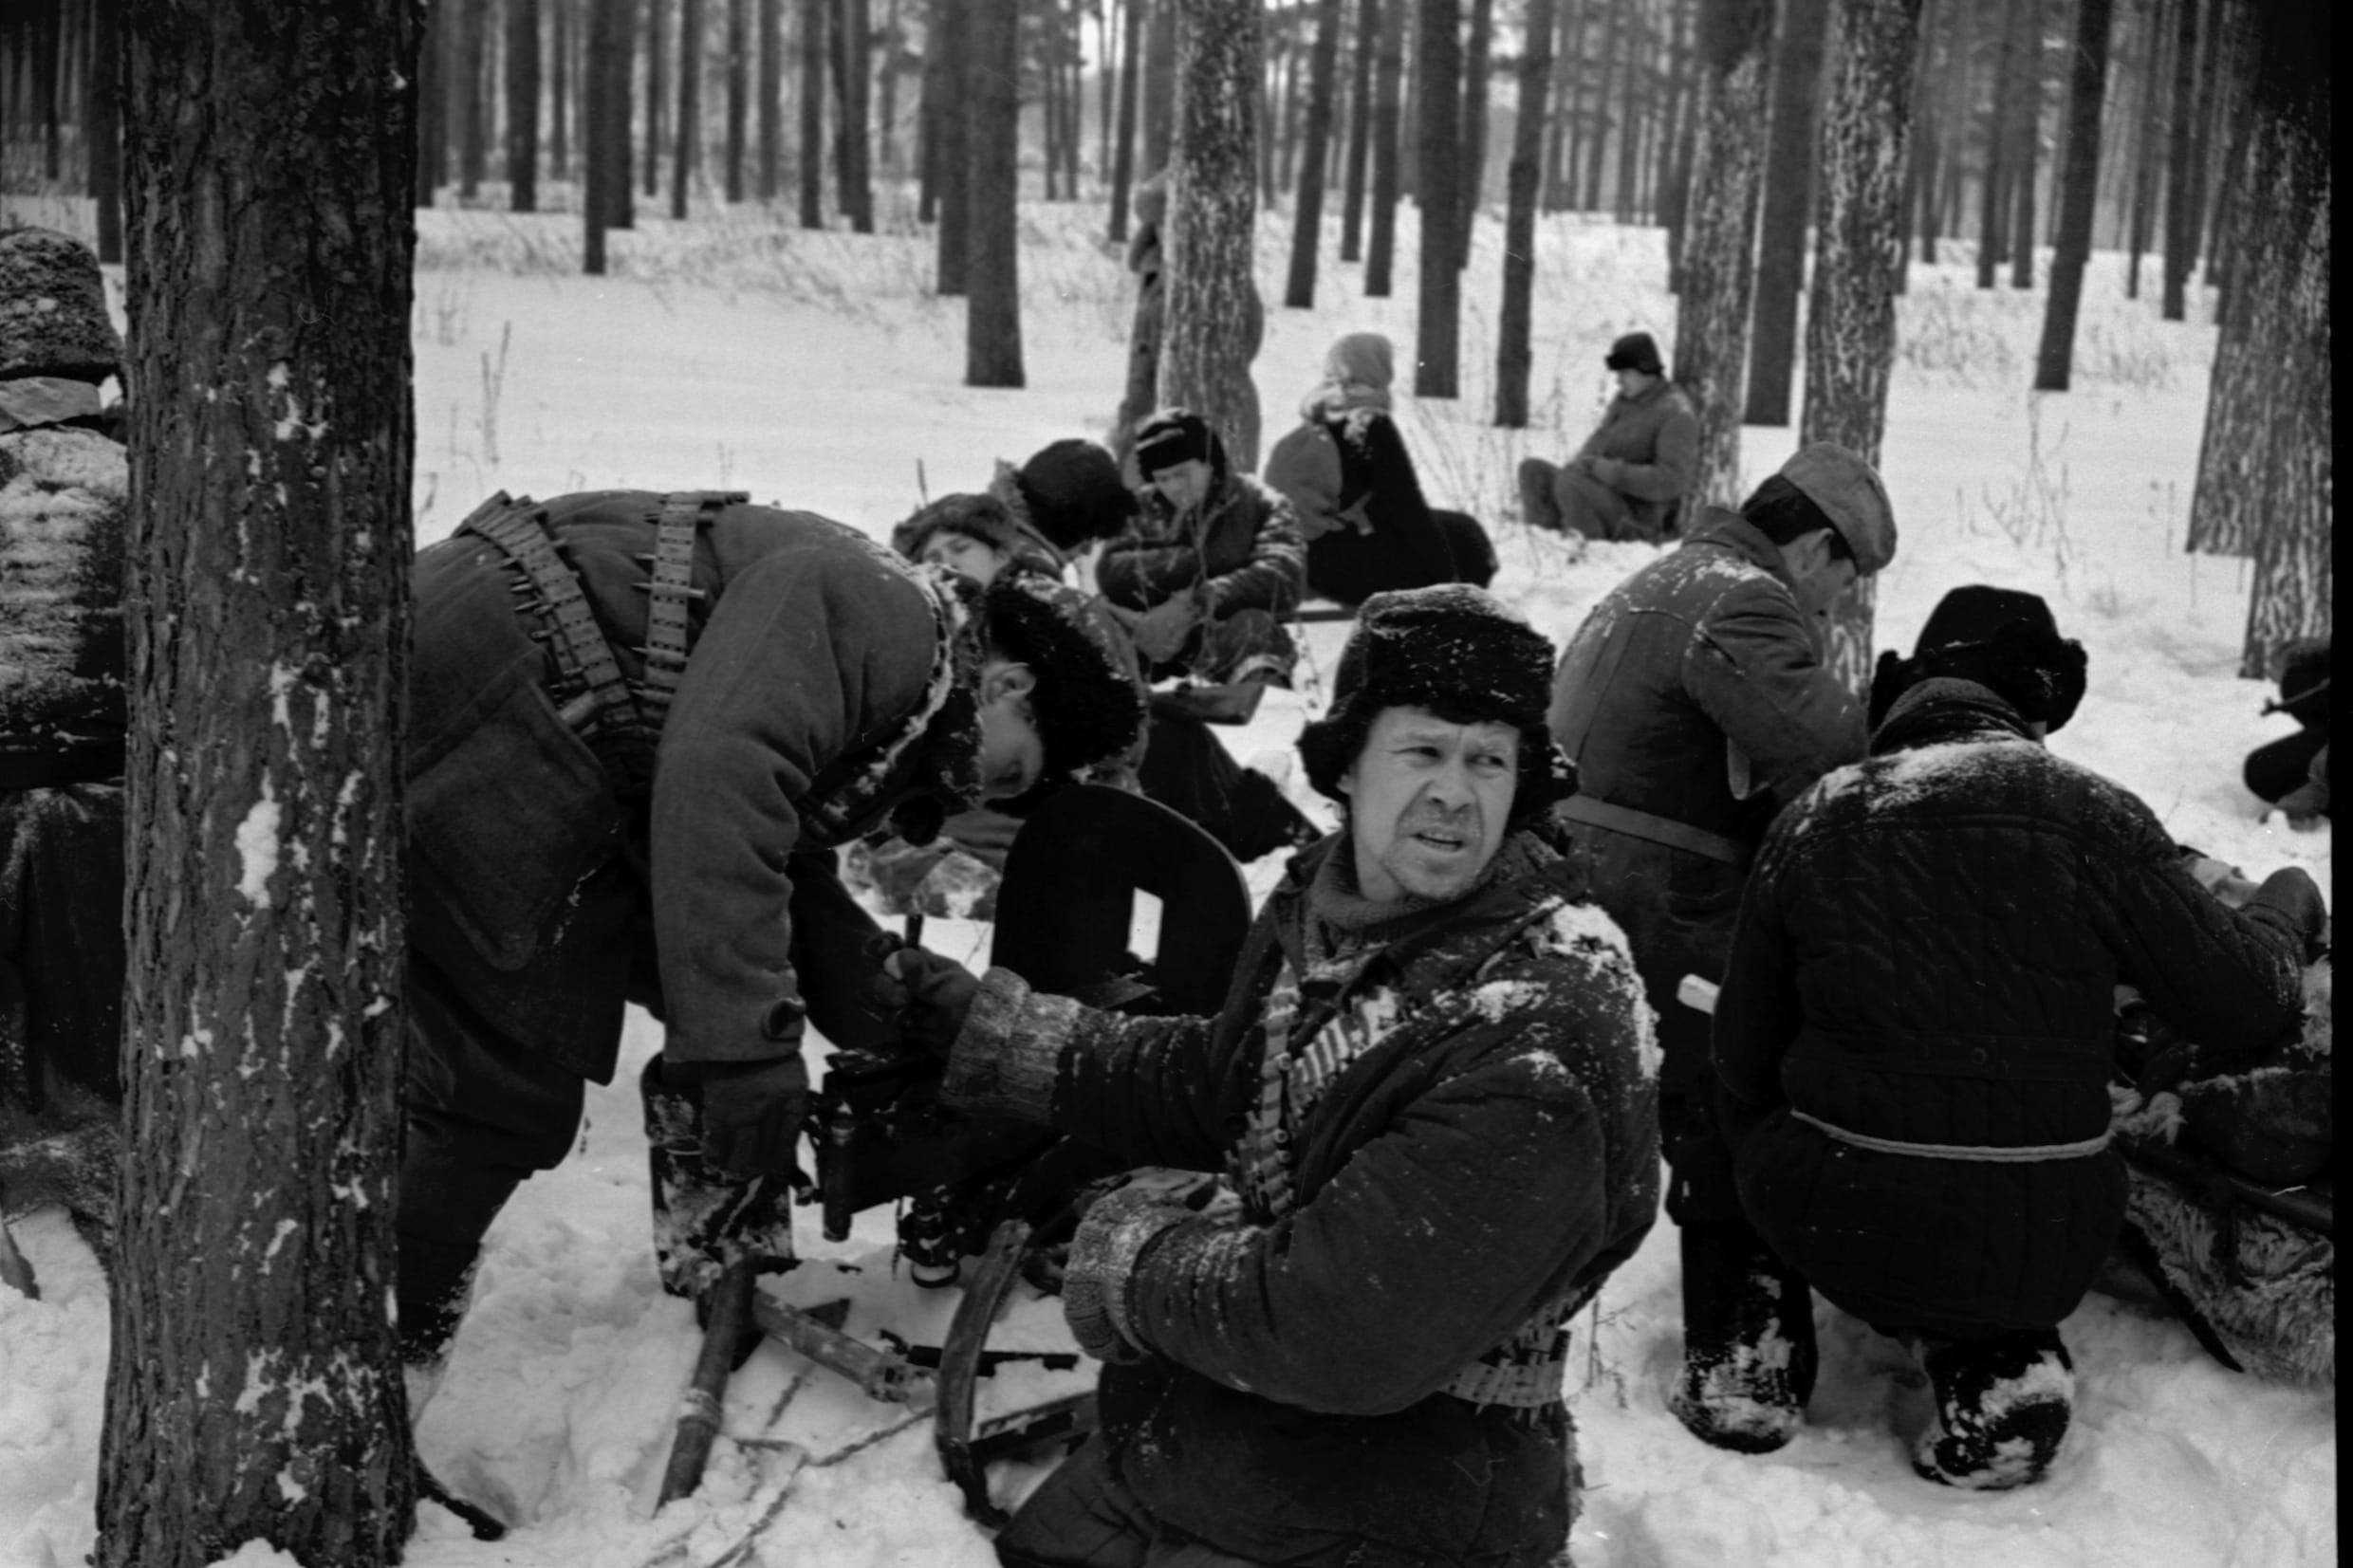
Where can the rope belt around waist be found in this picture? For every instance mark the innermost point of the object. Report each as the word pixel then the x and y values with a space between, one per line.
pixel 1659 830
pixel 2025 1155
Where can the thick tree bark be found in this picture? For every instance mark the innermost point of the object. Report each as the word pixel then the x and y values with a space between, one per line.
pixel 1473 153
pixel 523 104
pixel 813 14
pixel 254 1389
pixel 1850 313
pixel 1789 161
pixel 1718 251
pixel 1437 339
pixel 769 122
pixel 992 174
pixel 1514 357
pixel 2088 79
pixel 1388 147
pixel 689 151
pixel 1212 321
pixel 1359 128
pixel 2265 473
pixel 1161 87
pixel 1124 149
pixel 106 126
pixel 1307 225
pixel 738 98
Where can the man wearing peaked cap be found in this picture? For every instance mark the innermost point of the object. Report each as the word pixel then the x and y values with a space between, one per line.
pixel 1431 1090
pixel 1694 702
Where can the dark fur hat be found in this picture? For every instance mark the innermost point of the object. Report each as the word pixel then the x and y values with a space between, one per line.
pixel 1070 491
pixel 1635 351
pixel 1460 653
pixel 1089 699
pixel 2003 639
pixel 981 517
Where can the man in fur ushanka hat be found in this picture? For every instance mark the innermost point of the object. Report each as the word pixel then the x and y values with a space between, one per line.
pixel 1431 1093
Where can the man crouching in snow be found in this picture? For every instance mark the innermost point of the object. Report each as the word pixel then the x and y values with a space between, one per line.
pixel 1916 1029
pixel 1431 1097
pixel 640 725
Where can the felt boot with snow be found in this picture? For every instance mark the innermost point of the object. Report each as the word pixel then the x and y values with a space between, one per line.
pixel 2002 1409
pixel 1740 1397
pixel 1749 1351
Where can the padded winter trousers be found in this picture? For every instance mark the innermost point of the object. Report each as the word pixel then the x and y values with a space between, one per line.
pixel 1736 1291
pixel 1082 1517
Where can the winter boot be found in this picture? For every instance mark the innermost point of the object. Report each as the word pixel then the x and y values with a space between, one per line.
pixel 1537 507
pixel 1745 1391
pixel 2002 1409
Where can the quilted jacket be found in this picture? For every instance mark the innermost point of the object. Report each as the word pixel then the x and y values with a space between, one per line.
pixel 1928 955
pixel 1240 547
pixel 1467 1146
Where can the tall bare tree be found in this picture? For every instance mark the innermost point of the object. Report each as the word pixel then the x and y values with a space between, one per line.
pixel 1161 86
pixel 604 114
pixel 473 106
pixel 2027 145
pixel 1850 312
pixel 2266 464
pixel 2087 80
pixel 769 91
pixel 1719 238
pixel 1308 220
pixel 1438 335
pixel 253 1389
pixel 1470 153
pixel 1789 161
pixel 106 126
pixel 2000 143
pixel 523 104
pixel 1214 316
pixel 992 174
pixel 1124 152
pixel 1516 327
pixel 853 59
pixel 656 98
pixel 738 98
pixel 1359 129
pixel 813 19
pixel 688 153
pixel 1388 147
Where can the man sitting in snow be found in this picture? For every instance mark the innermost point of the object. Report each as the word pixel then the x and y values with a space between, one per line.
pixel 639 725
pixel 1916 1031
pixel 1203 580
pixel 1629 478
pixel 1430 1094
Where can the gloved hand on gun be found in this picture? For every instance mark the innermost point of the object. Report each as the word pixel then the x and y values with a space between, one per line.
pixel 928 995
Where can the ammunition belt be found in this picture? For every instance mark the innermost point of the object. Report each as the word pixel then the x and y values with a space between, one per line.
pixel 619 720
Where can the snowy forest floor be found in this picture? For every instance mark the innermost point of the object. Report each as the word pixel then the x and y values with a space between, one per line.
pixel 818 371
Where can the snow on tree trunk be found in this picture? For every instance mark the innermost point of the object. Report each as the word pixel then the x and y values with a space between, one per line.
pixel 1214 318
pixel 1850 312
pixel 1798 52
pixel 992 190
pixel 2087 80
pixel 1718 252
pixel 1514 357
pixel 1307 227
pixel 2265 468
pixel 1437 341
pixel 253 1390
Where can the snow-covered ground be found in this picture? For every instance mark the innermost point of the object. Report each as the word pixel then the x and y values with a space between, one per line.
pixel 817 371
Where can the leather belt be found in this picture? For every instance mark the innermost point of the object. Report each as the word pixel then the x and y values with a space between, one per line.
pixel 1659 830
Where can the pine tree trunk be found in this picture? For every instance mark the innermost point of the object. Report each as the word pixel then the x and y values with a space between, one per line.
pixel 2205 139
pixel 1634 108
pixel 433 140
pixel 1212 318
pixel 2079 186
pixel 473 108
pixel 992 183
pixel 954 42
pixel 1595 140
pixel 738 100
pixel 619 68
pixel 656 98
pixel 813 113
pixel 1515 356
pixel 2265 480
pixel 2000 149
pixel 1718 252
pixel 608 22
pixel 1161 86
pixel 1359 128
pixel 1920 191
pixel 852 57
pixel 560 92
pixel 886 153
pixel 1663 212
pixel 1850 313
pixel 523 104
pixel 253 1389
pixel 2155 69
pixel 688 153
pixel 1388 147
pixel 1474 151
pixel 2025 151
pixel 1124 149
pixel 1307 225
pixel 769 122
pixel 1561 117
pixel 1789 161
pixel 106 126
pixel 1437 341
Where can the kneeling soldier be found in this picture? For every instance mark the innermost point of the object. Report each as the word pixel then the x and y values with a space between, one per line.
pixel 640 725
pixel 1430 1097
